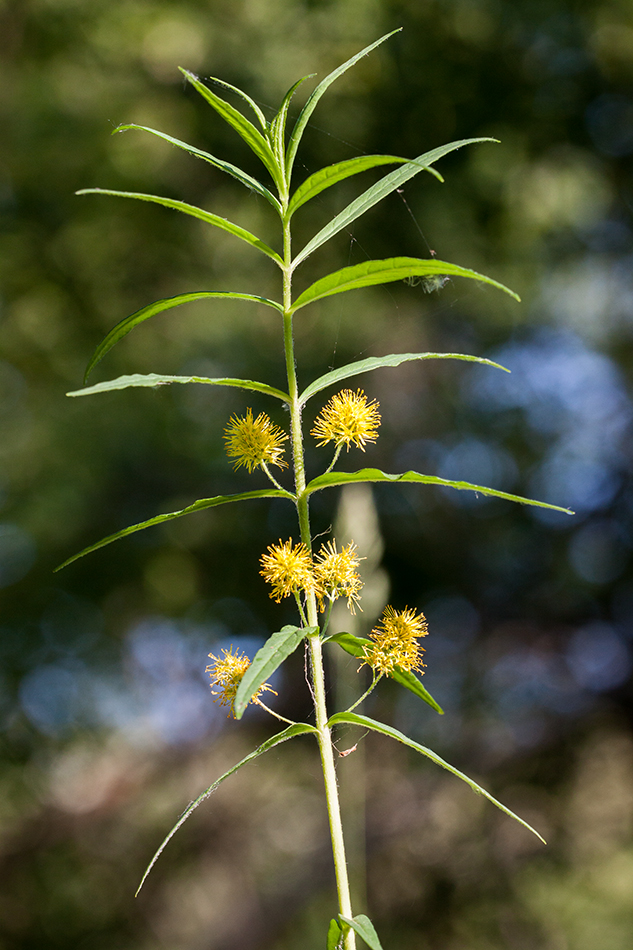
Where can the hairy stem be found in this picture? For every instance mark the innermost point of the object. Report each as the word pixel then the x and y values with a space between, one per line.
pixel 314 642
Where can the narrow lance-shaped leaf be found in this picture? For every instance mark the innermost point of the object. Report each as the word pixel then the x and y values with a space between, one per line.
pixel 353 719
pixel 252 136
pixel 199 505
pixel 195 212
pixel 298 729
pixel 377 362
pixel 277 648
pixel 228 167
pixel 278 125
pixel 245 96
pixel 375 475
pixel 379 191
pixel 355 646
pixel 331 174
pixel 310 105
pixel 168 303
pixel 384 272
pixel 364 928
pixel 153 380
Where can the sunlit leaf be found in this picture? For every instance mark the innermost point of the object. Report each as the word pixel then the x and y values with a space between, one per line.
pixel 375 475
pixel 278 125
pixel 376 362
pixel 379 191
pixel 228 167
pixel 310 105
pixel 355 646
pixel 353 719
pixel 364 928
pixel 252 136
pixel 199 505
pixel 334 934
pixel 277 648
pixel 168 303
pixel 298 729
pixel 385 271
pixel 195 212
pixel 245 96
pixel 153 380
pixel 331 174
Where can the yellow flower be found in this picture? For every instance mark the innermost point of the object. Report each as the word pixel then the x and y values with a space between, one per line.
pixel 254 442
pixel 227 673
pixel 335 574
pixel 346 418
pixel 395 641
pixel 288 569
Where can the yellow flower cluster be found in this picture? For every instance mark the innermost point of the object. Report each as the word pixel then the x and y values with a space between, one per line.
pixel 290 569
pixel 254 442
pixel 227 673
pixel 335 574
pixel 396 641
pixel 347 418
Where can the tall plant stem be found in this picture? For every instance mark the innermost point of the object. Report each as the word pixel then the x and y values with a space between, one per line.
pixel 326 748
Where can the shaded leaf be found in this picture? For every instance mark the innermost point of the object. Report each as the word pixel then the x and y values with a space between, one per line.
pixel 355 646
pixel 385 271
pixel 124 327
pixel 376 362
pixel 375 475
pixel 195 212
pixel 252 136
pixel 364 928
pixel 334 934
pixel 331 174
pixel 199 505
pixel 277 648
pixel 310 105
pixel 353 719
pixel 153 380
pixel 297 729
pixel 228 167
pixel 379 191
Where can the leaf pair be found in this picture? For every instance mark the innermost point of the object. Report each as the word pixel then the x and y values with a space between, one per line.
pixel 361 924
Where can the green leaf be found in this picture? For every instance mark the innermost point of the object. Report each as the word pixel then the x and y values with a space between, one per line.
pixel 240 92
pixel 375 475
pixel 334 934
pixel 278 125
pixel 326 177
pixel 298 729
pixel 379 191
pixel 383 272
pixel 233 170
pixel 364 928
pixel 376 362
pixel 199 505
pixel 353 719
pixel 195 212
pixel 310 105
pixel 168 303
pixel 277 648
pixel 152 380
pixel 355 646
pixel 252 136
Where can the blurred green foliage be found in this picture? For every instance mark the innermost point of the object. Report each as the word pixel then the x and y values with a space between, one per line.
pixel 106 725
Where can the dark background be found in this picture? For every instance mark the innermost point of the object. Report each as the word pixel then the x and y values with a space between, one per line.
pixel 106 722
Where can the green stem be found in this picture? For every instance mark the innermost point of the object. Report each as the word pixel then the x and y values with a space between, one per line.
pixel 366 693
pixel 324 736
